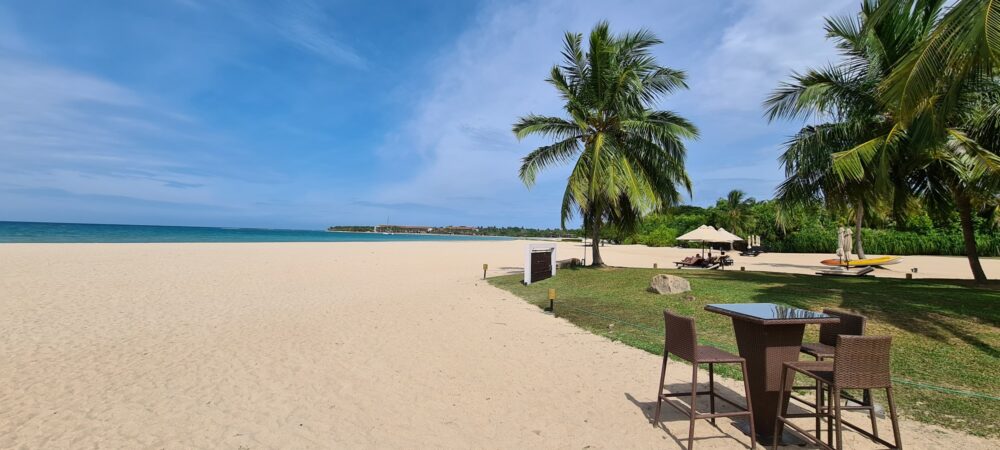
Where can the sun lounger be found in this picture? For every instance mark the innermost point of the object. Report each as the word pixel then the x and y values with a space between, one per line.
pixel 713 262
pixel 846 273
pixel 683 264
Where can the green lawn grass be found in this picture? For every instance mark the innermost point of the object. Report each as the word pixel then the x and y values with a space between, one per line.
pixel 944 333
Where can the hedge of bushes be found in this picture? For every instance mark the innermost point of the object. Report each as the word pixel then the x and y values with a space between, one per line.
pixel 888 242
pixel 813 229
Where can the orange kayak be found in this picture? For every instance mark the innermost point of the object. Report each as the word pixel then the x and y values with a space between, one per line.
pixel 881 261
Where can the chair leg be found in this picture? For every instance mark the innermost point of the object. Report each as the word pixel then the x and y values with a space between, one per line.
pixel 659 394
pixel 711 390
pixel 829 417
pixel 835 402
pixel 892 417
pixel 866 399
pixel 828 403
pixel 778 424
pixel 694 402
pixel 819 407
pixel 746 393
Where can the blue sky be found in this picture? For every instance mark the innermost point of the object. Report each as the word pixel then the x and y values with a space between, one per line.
pixel 303 114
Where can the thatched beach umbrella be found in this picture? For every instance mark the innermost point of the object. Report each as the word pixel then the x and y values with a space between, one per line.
pixel 703 234
pixel 728 237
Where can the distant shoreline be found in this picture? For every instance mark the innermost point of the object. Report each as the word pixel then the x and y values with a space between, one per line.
pixel 490 236
pixel 54 233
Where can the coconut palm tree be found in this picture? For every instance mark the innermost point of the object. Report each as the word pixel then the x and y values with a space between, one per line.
pixel 964 45
pixel 735 212
pixel 936 146
pixel 627 158
pixel 957 168
pixel 848 97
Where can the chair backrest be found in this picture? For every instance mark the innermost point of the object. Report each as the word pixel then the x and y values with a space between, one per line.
pixel 850 324
pixel 680 338
pixel 862 362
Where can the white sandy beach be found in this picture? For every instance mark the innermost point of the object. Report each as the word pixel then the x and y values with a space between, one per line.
pixel 334 345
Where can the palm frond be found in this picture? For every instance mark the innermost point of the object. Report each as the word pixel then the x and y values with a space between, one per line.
pixel 542 157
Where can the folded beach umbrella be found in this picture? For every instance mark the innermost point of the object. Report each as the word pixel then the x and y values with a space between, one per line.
pixel 840 242
pixel 848 243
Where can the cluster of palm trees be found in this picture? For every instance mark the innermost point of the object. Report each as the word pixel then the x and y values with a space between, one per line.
pixel 911 113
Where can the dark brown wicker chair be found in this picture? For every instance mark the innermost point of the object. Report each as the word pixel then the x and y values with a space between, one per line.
pixel 850 325
pixel 682 341
pixel 860 362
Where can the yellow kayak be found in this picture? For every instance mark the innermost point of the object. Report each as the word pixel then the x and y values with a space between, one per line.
pixel 881 261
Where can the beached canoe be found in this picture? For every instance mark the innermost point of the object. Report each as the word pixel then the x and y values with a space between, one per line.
pixel 881 261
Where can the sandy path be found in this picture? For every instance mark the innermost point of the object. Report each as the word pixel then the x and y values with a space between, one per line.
pixel 316 346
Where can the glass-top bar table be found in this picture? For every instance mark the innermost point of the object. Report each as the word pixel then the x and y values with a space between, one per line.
pixel 768 335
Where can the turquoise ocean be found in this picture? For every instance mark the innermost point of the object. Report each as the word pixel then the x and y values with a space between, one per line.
pixel 83 232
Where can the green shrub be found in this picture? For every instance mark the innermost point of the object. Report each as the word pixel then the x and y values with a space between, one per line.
pixel 813 229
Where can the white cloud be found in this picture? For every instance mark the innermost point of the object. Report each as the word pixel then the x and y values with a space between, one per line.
pixel 459 135
pixel 76 134
pixel 768 40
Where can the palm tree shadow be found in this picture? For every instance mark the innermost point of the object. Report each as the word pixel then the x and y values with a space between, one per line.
pixel 932 308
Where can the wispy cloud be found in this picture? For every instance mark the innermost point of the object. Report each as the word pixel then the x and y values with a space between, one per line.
pixel 767 40
pixel 303 23
pixel 459 138
pixel 308 26
pixel 68 134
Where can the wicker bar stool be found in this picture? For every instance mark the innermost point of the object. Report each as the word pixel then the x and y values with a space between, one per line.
pixel 849 325
pixel 860 362
pixel 682 341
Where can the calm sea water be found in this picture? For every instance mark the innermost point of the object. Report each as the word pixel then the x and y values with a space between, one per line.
pixel 78 232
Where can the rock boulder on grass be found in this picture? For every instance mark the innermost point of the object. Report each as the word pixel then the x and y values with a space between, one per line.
pixel 669 284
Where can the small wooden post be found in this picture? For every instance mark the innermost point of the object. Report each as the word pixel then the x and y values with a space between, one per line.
pixel 552 301
pixel 743 269
pixel 654 265
pixel 485 266
pixel 909 276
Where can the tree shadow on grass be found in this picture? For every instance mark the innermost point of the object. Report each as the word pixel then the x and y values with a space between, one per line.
pixel 934 309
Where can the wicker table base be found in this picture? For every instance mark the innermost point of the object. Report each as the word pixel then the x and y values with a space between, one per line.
pixel 766 348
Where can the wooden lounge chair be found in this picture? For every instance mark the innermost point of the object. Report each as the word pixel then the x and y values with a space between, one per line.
pixel 846 273
pixel 691 261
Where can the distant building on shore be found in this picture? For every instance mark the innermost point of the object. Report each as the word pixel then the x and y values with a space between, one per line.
pixel 409 229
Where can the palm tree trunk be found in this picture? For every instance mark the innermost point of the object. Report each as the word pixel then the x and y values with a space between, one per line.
pixel 859 215
pixel 595 226
pixel 969 236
